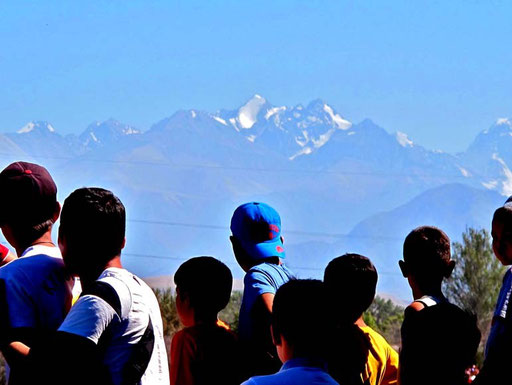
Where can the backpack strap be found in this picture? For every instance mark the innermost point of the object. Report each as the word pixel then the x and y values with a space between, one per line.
pixel 106 292
pixel 142 351
pixel 141 355
pixel 429 301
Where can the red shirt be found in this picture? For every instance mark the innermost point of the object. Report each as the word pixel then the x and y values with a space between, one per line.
pixel 3 252
pixel 204 354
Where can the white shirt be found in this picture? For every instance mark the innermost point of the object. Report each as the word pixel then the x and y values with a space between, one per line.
pixel 91 315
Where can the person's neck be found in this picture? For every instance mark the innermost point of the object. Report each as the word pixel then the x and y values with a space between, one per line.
pixel 206 320
pixel 45 240
pixel 360 322
pixel 89 277
pixel 434 291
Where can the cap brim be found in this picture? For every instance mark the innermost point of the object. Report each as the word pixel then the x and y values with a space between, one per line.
pixel 266 249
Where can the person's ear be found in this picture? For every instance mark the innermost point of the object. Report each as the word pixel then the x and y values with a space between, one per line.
pixel 235 244
pixel 56 212
pixel 276 337
pixel 185 299
pixel 449 268
pixel 403 268
pixel 124 243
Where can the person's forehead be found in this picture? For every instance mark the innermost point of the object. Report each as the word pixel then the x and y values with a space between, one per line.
pixel 497 225
pixel 498 228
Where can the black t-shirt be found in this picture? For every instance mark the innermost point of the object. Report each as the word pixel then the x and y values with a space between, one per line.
pixel 438 343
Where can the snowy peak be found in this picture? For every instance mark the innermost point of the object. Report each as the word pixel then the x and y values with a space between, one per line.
pixel 254 112
pixel 104 132
pixel 497 138
pixel 403 140
pixel 248 113
pixel 293 131
pixel 336 119
pixel 319 112
pixel 506 181
pixel 40 126
pixel 504 122
pixel 502 126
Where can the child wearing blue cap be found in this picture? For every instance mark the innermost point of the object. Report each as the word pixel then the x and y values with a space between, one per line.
pixel 258 248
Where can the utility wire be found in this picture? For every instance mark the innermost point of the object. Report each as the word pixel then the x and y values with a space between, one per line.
pixel 296 232
pixel 173 258
pixel 253 169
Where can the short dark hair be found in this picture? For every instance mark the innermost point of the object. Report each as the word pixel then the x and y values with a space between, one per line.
pixel 427 253
pixel 503 215
pixel 300 314
pixel 351 280
pixel 27 233
pixel 93 223
pixel 207 283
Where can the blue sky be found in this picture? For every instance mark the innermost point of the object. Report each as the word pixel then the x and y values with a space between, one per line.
pixel 438 70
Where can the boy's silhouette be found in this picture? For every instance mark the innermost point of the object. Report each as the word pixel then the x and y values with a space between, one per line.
pixel 301 330
pixel 203 352
pixel 258 248
pixel 497 351
pixel 35 288
pixel 439 340
pixel 351 282
pixel 113 334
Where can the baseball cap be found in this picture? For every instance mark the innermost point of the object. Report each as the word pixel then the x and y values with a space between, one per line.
pixel 257 227
pixel 28 194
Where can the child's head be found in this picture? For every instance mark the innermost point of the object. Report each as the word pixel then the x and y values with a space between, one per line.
pixel 351 281
pixel 203 286
pixel 256 229
pixel 427 257
pixel 502 233
pixel 300 322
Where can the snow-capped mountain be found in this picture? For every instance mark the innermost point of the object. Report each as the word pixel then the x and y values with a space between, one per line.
pixel 40 139
pixel 36 126
pixel 104 133
pixel 490 157
pixel 324 174
pixel 293 131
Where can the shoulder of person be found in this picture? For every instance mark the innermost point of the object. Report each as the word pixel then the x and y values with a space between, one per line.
pixel 114 291
pixel 414 307
pixel 256 271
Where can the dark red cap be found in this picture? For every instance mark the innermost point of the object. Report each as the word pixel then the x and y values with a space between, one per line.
pixel 28 194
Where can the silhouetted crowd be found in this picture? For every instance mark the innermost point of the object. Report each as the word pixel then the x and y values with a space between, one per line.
pixel 71 314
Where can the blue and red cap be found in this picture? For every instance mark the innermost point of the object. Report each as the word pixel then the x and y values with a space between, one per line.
pixel 257 227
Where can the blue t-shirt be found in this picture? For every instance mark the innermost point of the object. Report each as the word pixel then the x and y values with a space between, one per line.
pixel 501 313
pixel 296 371
pixel 260 279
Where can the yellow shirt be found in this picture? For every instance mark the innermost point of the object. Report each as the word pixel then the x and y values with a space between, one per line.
pixel 382 365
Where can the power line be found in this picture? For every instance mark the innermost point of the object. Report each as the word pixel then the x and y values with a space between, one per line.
pixel 296 232
pixel 253 169
pixel 180 224
pixel 183 259
pixel 173 258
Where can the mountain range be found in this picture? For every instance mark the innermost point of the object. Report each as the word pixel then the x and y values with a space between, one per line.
pixel 339 185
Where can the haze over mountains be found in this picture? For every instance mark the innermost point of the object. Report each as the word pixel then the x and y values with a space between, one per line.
pixel 339 185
